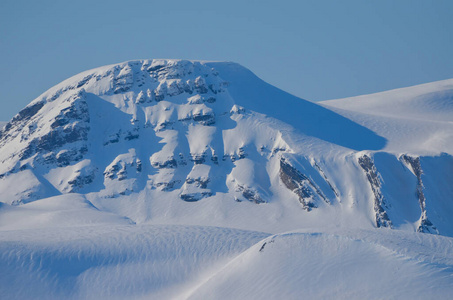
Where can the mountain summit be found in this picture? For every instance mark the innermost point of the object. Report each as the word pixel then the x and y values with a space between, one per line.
pixel 160 140
pixel 174 179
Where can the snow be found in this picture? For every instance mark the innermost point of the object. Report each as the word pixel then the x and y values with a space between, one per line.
pixel 196 262
pixel 313 120
pixel 113 261
pixel 29 185
pixel 398 189
pixel 438 173
pixel 319 265
pixel 414 120
pixel 164 180
pixel 71 210
pixel 430 101
pixel 59 177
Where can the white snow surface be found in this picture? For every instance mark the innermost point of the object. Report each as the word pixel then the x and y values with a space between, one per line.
pixel 112 261
pixel 416 119
pixel 175 179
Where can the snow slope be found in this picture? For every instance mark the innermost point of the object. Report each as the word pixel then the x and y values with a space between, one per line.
pixel 416 119
pixel 340 265
pixel 157 135
pixel 165 179
pixel 112 261
pixel 193 262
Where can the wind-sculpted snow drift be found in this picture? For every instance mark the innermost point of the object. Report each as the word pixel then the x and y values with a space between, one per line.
pixel 208 143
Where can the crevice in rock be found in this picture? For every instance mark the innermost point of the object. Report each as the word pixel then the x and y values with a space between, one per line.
pixel 367 164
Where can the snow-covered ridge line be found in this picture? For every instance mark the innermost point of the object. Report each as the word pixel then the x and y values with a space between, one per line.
pixel 416 120
pixel 176 179
pixel 208 141
pixel 78 79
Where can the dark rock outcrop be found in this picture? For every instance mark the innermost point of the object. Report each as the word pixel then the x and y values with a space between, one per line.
pixel 300 184
pixel 250 194
pixel 367 164
pixel 425 224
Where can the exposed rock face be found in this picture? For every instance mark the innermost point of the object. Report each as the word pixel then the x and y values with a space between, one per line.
pixel 367 164
pixel 301 185
pixel 250 194
pixel 21 118
pixel 192 197
pixel 54 130
pixel 118 169
pixel 79 181
pixel 170 163
pixel 56 137
pixel 425 224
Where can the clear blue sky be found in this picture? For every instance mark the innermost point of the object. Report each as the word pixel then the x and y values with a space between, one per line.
pixel 316 50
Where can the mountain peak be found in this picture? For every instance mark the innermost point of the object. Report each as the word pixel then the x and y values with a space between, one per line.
pixel 159 135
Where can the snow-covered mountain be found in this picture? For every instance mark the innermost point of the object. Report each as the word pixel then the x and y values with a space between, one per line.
pixel 156 144
pixel 188 131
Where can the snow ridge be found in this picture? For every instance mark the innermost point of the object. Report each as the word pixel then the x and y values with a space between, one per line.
pixel 200 132
pixel 176 179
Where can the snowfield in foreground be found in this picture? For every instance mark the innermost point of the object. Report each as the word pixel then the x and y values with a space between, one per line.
pixel 176 179
pixel 198 262
pixel 65 248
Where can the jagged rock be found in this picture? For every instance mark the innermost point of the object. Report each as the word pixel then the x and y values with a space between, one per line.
pixel 124 80
pixel 277 150
pixel 149 95
pixel 425 224
pixel 198 158
pixel 367 164
pixel 139 165
pixel 166 186
pixel 198 99
pixel 122 166
pixel 164 125
pixel 141 97
pixel 131 136
pixel 161 91
pixel 175 87
pixel 194 196
pixel 171 163
pixel 66 157
pixel 84 81
pixel 239 154
pixel 236 109
pixel 204 119
pixel 196 183
pixel 249 194
pixel 200 85
pixel 201 182
pixel 113 138
pixel 300 184
pixel 26 114
pixel 111 171
pixel 80 181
